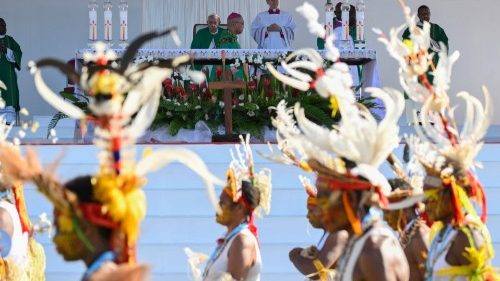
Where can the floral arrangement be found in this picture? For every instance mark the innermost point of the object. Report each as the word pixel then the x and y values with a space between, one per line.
pixel 185 103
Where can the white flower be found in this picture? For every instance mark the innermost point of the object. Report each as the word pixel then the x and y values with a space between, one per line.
pixel 251 113
pixel 221 104
pixel 197 77
pixel 250 59
pixel 241 97
pixel 24 111
pixel 206 117
pixel 197 107
pixel 185 77
pixel 169 114
pixel 243 59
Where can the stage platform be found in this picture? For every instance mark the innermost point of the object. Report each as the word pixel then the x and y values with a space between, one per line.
pixel 179 214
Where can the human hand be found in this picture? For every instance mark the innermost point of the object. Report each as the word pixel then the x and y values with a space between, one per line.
pixel 295 252
pixel 274 28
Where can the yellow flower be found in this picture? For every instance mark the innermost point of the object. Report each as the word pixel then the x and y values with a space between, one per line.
pixel 123 201
pixel 106 83
pixel 334 106
pixel 409 44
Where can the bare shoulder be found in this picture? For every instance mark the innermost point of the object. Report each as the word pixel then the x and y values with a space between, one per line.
pixel 243 241
pixel 470 235
pixel 383 252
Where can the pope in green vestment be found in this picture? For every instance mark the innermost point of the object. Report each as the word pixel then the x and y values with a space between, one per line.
pixel 10 60
pixel 204 39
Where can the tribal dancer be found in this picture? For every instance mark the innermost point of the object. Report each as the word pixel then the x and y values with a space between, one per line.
pixel 98 217
pixel 406 218
pixel 247 192
pixel 328 250
pixel 315 262
pixel 22 257
pixel 346 158
pixel 460 245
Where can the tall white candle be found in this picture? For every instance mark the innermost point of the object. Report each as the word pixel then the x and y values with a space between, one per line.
pixel 123 26
pixel 92 25
pixel 108 26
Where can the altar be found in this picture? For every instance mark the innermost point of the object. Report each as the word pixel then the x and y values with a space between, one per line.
pixel 190 113
pixel 367 58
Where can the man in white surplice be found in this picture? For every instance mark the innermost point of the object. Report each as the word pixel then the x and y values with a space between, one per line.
pixel 273 29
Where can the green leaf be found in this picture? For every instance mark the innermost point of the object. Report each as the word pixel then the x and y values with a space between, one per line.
pixel 69 96
pixel 175 126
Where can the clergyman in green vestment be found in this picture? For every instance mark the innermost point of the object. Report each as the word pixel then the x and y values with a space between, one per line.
pixel 205 38
pixel 229 38
pixel 437 35
pixel 10 60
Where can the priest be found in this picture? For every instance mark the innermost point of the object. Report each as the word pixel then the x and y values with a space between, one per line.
pixel 229 38
pixel 438 36
pixel 10 60
pixel 273 29
pixel 205 38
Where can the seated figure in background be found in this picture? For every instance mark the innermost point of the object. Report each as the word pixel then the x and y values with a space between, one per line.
pixel 206 37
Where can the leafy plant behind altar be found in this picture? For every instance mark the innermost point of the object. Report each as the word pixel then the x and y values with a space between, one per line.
pixel 184 103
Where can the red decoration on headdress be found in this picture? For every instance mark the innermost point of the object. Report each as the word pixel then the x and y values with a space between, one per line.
pixel 93 213
pixel 477 193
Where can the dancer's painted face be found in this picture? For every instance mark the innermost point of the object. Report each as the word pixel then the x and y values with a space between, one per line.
pixel 227 207
pixel 333 215
pixel 437 203
pixel 67 242
pixel 314 216
pixel 393 218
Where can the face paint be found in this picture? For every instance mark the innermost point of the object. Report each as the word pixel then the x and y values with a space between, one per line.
pixel 314 216
pixel 226 205
pixel 67 242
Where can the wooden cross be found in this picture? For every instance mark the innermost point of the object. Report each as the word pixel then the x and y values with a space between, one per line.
pixel 228 87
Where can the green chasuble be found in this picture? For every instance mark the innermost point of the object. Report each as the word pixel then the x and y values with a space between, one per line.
pixel 227 40
pixel 8 73
pixel 203 38
pixel 437 35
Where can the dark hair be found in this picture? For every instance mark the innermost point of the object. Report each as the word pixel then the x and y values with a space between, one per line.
pixel 82 187
pixel 399 183
pixel 250 193
pixel 422 7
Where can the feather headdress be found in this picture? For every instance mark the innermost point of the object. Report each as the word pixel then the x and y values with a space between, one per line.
pixel 446 153
pixel 242 168
pixel 124 98
pixel 348 155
